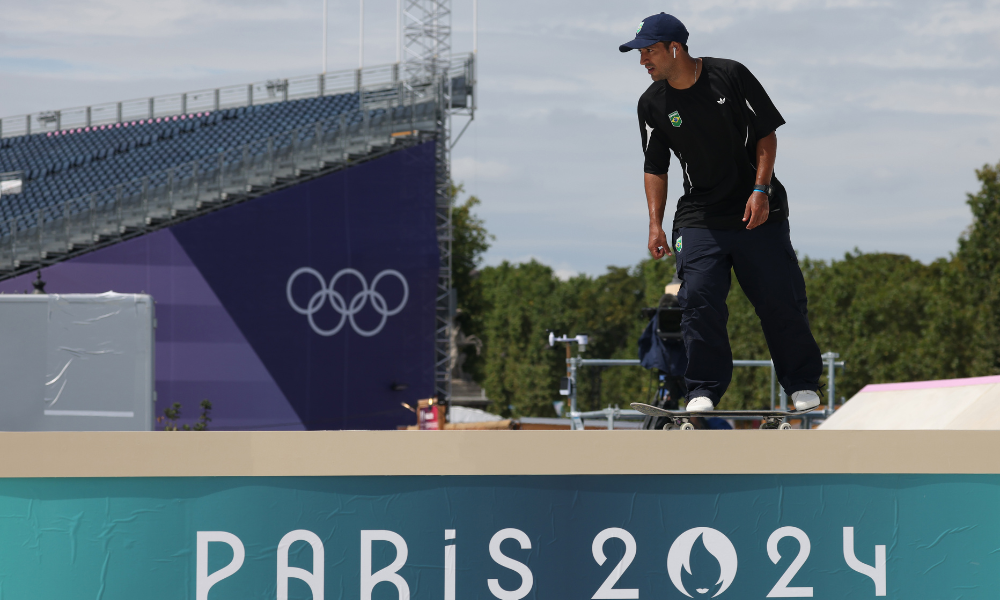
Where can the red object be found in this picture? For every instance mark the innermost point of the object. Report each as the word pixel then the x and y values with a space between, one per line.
pixel 428 417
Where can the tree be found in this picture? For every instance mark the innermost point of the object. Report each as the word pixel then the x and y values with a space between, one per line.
pixel 524 301
pixel 470 240
pixel 520 371
pixel 890 317
pixel 977 269
pixel 608 308
pixel 872 309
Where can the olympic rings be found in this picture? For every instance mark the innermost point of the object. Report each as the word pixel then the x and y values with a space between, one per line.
pixel 347 310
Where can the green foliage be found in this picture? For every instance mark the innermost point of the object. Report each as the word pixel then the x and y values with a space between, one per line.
pixel 522 302
pixel 173 413
pixel 891 318
pixel 470 240
pixel 979 246
pixel 977 265
pixel 873 310
pixel 170 416
pixel 607 308
pixel 204 419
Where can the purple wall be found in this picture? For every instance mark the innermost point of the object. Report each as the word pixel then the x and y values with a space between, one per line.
pixel 223 285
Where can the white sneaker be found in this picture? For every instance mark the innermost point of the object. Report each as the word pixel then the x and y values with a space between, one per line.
pixel 805 400
pixel 700 404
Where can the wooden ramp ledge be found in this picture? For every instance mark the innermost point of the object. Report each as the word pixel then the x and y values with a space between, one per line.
pixel 342 453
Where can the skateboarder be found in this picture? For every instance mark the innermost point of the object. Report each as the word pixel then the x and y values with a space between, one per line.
pixel 733 215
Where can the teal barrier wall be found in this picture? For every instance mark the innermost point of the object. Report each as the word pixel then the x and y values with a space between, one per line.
pixel 663 536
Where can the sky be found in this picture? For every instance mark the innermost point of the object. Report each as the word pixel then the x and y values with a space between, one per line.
pixel 890 106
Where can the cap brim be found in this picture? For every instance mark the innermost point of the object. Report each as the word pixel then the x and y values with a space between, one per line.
pixel 639 42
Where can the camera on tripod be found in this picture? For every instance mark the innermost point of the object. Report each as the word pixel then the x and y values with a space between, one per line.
pixel 668 313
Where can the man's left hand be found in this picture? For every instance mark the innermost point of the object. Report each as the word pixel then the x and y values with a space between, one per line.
pixel 757 209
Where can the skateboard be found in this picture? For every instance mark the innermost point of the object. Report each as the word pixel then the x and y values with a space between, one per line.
pixel 770 419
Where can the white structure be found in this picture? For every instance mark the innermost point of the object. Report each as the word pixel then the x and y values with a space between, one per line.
pixel 463 414
pixel 76 362
pixel 972 403
pixel 10 183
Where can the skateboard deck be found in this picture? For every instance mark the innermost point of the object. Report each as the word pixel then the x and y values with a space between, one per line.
pixel 770 419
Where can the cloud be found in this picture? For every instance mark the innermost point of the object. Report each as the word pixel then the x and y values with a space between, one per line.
pixel 890 104
pixel 956 19
pixel 935 98
pixel 565 273
pixel 119 40
pixel 150 18
pixel 468 169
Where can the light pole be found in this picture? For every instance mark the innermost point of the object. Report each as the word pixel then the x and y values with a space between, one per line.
pixel 325 7
pixel 361 38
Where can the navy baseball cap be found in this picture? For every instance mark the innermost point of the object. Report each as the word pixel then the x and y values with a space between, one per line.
pixel 657 28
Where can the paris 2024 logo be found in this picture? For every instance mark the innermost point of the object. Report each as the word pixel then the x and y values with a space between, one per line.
pixel 719 546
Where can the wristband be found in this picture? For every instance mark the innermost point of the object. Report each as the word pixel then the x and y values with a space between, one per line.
pixel 766 189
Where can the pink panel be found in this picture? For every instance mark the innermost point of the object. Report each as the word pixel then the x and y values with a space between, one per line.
pixel 922 385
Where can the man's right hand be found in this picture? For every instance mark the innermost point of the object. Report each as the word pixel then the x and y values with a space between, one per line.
pixel 658 245
pixel 656 200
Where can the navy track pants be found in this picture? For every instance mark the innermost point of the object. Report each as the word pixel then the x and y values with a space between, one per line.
pixel 768 271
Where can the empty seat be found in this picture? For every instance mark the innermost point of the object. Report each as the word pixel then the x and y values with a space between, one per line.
pixel 71 164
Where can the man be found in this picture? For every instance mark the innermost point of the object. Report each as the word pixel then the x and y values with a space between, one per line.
pixel 715 116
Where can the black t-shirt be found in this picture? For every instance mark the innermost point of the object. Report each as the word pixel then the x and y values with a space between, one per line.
pixel 713 128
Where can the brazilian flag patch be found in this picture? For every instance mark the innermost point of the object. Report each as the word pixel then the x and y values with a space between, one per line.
pixel 675 119
pixel 679 244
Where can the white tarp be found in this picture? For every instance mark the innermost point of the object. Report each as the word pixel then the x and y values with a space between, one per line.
pixel 76 362
pixel 464 414
pixel 972 403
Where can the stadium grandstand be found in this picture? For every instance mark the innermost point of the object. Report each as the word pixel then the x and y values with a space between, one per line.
pixel 205 198
pixel 103 179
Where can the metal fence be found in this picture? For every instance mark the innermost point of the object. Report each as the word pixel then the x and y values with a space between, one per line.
pixel 779 399
pixel 370 79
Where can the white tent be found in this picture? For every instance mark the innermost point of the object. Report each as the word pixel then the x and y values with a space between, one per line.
pixel 972 403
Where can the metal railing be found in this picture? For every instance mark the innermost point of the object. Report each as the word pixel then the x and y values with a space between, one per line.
pixel 52 233
pixel 611 413
pixel 369 80
pixel 55 231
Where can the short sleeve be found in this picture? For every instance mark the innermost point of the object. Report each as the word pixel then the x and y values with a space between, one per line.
pixel 655 150
pixel 764 117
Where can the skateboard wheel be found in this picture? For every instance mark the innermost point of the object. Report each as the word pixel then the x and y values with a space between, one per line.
pixel 686 426
pixel 667 426
pixel 785 426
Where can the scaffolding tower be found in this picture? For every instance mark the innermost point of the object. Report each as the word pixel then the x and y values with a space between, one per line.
pixel 426 60
pixel 426 39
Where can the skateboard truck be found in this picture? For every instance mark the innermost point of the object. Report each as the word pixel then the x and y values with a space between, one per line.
pixel 685 424
pixel 770 419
